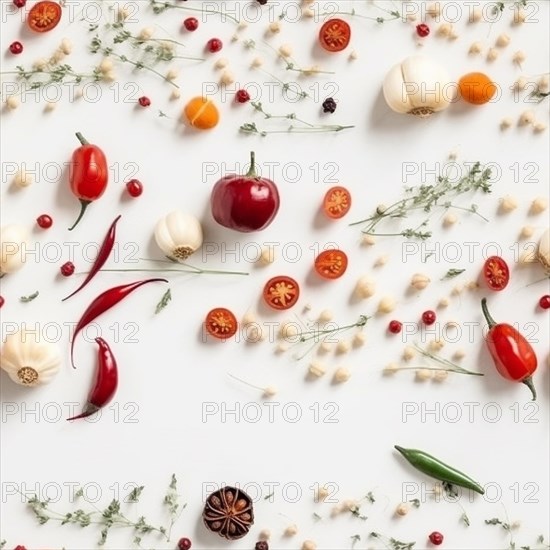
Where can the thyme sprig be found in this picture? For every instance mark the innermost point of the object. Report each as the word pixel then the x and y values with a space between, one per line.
pixel 251 128
pixel 29 298
pixel 319 335
pixel 159 7
pixel 112 515
pixel 395 14
pixel 166 297
pixel 392 543
pixel 428 198
pixel 445 364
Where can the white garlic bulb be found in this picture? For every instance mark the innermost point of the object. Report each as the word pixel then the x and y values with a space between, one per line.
pixel 13 239
pixel 28 361
pixel 418 86
pixel 178 235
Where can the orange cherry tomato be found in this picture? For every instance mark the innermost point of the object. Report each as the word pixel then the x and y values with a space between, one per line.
pixel 335 35
pixel 221 323
pixel 477 88
pixel 337 202
pixel 331 264
pixel 281 292
pixel 496 273
pixel 44 16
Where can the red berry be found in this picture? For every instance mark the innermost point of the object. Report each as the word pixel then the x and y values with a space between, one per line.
pixel 544 302
pixel 214 45
pixel 44 221
pixel 19 547
pixel 1 301
pixel 19 3
pixel 144 101
pixel 184 544
pixel 395 327
pixel 191 24
pixel 436 538
pixel 261 545
pixel 67 269
pixel 422 30
pixel 16 48
pixel 134 188
pixel 428 317
pixel 242 96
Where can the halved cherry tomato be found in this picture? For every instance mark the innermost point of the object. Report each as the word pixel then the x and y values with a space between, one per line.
pixel 281 292
pixel 221 323
pixel 335 35
pixel 496 273
pixel 44 16
pixel 337 202
pixel 331 264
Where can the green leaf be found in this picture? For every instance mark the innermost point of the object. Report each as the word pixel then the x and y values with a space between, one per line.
pixel 29 298
pixel 452 273
pixel 354 540
pixel 166 297
pixel 135 493
pixel 465 519
pixel 415 502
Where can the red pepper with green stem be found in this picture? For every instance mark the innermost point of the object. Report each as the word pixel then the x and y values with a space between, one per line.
pixel 512 354
pixel 88 175
pixel 106 381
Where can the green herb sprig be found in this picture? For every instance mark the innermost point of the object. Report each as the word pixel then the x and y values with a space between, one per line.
pixel 428 198
pixel 29 298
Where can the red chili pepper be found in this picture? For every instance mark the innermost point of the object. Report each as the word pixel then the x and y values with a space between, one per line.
pixel 105 301
pixel 513 355
pixel 102 256
pixel 88 175
pixel 106 381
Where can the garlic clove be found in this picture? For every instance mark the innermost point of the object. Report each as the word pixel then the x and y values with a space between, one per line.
pixel 543 252
pixel 13 240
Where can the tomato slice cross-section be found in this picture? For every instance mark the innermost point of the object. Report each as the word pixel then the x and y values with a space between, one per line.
pixel 281 292
pixel 335 35
pixel 337 202
pixel 496 273
pixel 44 16
pixel 331 264
pixel 221 323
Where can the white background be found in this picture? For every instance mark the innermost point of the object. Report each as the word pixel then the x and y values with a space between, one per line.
pixel 169 373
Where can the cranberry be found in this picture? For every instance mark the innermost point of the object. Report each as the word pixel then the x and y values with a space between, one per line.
pixel 262 2
pixel 19 3
pixel 19 547
pixel 67 269
pixel 436 538
pixel 44 221
pixel 1 301
pixel 184 544
pixel 134 188
pixel 395 327
pixel 214 45
pixel 242 96
pixel 16 48
pixel 144 101
pixel 428 317
pixel 191 24
pixel 261 545
pixel 544 302
pixel 329 105
pixel 422 30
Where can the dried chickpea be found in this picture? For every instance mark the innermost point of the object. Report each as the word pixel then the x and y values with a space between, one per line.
pixel 507 204
pixel 443 302
pixel 502 40
pixel 341 375
pixel 538 206
pixel 409 353
pixel 423 374
pixel 291 530
pixel 322 493
pixel 476 48
pixel 316 370
pixel 325 316
pixel 390 368
pixel 342 347
pixel 265 534
pixel 419 281
pixel 527 231
pixel 22 178
pixel 402 509
pixel 506 123
pixel 539 127
pixel 386 305
pixel 359 339
pixel 492 54
pixel 527 118
pixel 309 545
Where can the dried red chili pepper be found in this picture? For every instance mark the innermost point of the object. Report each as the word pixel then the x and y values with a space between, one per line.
pixel 106 300
pixel 512 354
pixel 106 381
pixel 102 256
pixel 88 175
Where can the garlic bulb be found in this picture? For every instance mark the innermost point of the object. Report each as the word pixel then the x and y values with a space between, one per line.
pixel 543 252
pixel 178 235
pixel 418 86
pixel 28 361
pixel 13 239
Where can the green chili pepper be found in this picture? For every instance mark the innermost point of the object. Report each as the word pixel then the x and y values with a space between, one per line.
pixel 433 467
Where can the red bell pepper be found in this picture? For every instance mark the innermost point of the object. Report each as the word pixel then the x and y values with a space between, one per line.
pixel 88 175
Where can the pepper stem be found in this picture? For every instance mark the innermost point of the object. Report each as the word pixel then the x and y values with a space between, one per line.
pixel 83 205
pixel 490 321
pixel 252 170
pixel 529 383
pixel 82 139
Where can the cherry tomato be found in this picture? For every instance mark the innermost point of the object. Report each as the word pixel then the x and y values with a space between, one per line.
pixel 331 264
pixel 44 16
pixel 221 323
pixel 335 35
pixel 281 292
pixel 337 202
pixel 496 273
